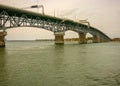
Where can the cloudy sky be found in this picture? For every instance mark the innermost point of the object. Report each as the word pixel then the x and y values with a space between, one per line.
pixel 102 14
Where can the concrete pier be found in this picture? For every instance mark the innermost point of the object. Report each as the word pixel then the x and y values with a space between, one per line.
pixel 97 39
pixel 82 38
pixel 2 38
pixel 59 37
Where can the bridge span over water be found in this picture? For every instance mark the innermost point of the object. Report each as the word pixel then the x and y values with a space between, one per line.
pixel 11 17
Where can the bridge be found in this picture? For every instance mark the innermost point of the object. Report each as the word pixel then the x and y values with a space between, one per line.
pixel 11 17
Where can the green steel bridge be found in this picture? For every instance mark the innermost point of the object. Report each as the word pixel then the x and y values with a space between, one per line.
pixel 11 17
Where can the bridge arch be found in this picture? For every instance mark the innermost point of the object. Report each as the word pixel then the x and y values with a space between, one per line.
pixel 29 33
pixel 71 35
pixel 89 38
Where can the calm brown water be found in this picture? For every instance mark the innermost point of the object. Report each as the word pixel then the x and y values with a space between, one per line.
pixel 71 64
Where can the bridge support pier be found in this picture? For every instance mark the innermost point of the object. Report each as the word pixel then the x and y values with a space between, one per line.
pixel 2 38
pixel 82 38
pixel 97 39
pixel 59 37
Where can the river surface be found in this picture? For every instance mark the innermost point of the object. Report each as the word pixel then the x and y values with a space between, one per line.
pixel 71 64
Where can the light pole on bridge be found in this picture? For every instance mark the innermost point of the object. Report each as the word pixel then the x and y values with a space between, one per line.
pixel 85 21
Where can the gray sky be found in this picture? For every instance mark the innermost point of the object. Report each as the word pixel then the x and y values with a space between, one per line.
pixel 102 14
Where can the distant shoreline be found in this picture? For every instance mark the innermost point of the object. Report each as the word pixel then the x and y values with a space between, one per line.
pixel 18 40
pixel 29 40
pixel 67 39
pixel 116 40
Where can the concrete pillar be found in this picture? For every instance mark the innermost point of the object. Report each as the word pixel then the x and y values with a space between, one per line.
pixel 82 38
pixel 2 38
pixel 97 39
pixel 59 37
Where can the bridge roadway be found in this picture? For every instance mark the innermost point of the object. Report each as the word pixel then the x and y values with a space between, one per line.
pixel 11 17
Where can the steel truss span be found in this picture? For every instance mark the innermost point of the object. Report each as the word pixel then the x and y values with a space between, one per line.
pixel 11 17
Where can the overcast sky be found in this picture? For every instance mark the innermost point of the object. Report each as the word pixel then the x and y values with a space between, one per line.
pixel 102 14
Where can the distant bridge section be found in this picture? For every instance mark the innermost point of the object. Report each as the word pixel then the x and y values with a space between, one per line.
pixel 11 17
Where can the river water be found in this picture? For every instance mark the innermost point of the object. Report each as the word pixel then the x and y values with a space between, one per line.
pixel 71 64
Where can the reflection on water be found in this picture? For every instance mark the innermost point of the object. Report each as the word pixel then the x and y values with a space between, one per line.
pixel 2 57
pixel 3 72
pixel 72 64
